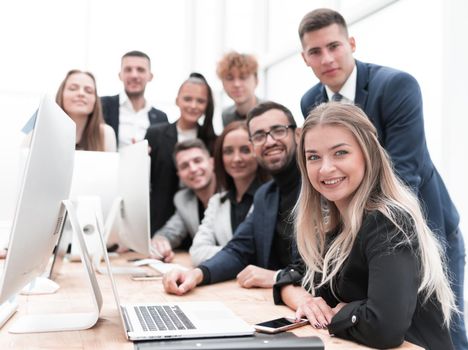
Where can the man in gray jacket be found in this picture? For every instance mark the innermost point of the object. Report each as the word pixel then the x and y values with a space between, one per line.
pixel 195 168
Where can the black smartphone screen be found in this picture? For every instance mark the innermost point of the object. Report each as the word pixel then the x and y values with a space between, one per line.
pixel 277 323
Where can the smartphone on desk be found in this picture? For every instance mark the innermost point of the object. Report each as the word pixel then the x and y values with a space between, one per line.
pixel 279 325
pixel 147 277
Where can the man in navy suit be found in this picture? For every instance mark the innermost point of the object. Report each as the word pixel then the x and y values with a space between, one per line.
pixel 392 100
pixel 129 113
pixel 264 242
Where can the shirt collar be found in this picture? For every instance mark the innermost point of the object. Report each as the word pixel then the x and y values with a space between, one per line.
pixel 123 98
pixel 348 90
pixel 231 194
pixel 125 101
pixel 253 186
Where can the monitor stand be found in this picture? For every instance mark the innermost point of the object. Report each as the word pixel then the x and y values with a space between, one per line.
pixel 40 285
pixel 67 321
pixel 7 309
pixel 113 220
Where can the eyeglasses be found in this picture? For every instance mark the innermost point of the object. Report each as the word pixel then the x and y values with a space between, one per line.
pixel 276 132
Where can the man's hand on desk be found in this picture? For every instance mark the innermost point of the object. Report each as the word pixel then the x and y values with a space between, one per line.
pixel 254 276
pixel 180 282
pixel 163 247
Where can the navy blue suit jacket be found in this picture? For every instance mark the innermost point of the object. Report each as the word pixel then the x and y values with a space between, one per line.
pixel 252 241
pixel 110 110
pixel 392 101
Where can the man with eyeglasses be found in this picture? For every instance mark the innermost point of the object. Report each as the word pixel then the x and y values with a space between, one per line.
pixel 263 244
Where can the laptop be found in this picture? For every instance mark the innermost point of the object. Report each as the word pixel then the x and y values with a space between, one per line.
pixel 152 321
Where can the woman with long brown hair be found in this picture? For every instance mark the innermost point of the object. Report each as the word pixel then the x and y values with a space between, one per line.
pixel 238 176
pixel 77 95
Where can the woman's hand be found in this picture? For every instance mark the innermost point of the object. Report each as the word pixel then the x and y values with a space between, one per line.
pixel 338 307
pixel 316 310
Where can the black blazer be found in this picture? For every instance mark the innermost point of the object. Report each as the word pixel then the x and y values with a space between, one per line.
pixel 164 180
pixel 380 284
pixel 110 110
pixel 392 101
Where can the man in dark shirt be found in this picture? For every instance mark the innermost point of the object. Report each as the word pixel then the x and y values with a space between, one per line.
pixel 263 243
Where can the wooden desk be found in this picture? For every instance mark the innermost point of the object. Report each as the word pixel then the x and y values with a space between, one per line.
pixel 253 305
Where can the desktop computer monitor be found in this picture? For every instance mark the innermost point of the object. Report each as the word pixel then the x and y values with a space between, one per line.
pixel 93 191
pixel 127 221
pixel 38 215
pixel 133 188
pixel 121 178
pixel 96 174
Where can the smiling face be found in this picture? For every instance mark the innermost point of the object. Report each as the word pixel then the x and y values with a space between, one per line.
pixel 273 155
pixel 79 95
pixel 135 73
pixel 238 155
pixel 192 101
pixel 195 168
pixel 329 52
pixel 335 163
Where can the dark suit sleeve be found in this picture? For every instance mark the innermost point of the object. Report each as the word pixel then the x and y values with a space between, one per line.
pixel 383 319
pixel 236 254
pixel 164 117
pixel 403 127
pixel 105 101
pixel 156 116
pixel 110 112
pixel 164 181
pixel 308 101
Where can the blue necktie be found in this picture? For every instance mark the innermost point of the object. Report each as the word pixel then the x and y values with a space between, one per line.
pixel 337 97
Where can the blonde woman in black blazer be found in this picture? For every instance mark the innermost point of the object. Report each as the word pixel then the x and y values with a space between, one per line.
pixel 373 267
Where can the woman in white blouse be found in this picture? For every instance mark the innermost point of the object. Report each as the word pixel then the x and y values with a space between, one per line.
pixel 77 95
pixel 238 176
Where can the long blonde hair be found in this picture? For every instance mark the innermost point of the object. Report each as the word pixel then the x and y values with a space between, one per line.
pixel 92 138
pixel 380 190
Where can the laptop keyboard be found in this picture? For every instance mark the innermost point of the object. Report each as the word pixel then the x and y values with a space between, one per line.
pixel 162 318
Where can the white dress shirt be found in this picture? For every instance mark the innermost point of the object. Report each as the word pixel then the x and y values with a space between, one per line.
pixel 132 124
pixel 348 90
